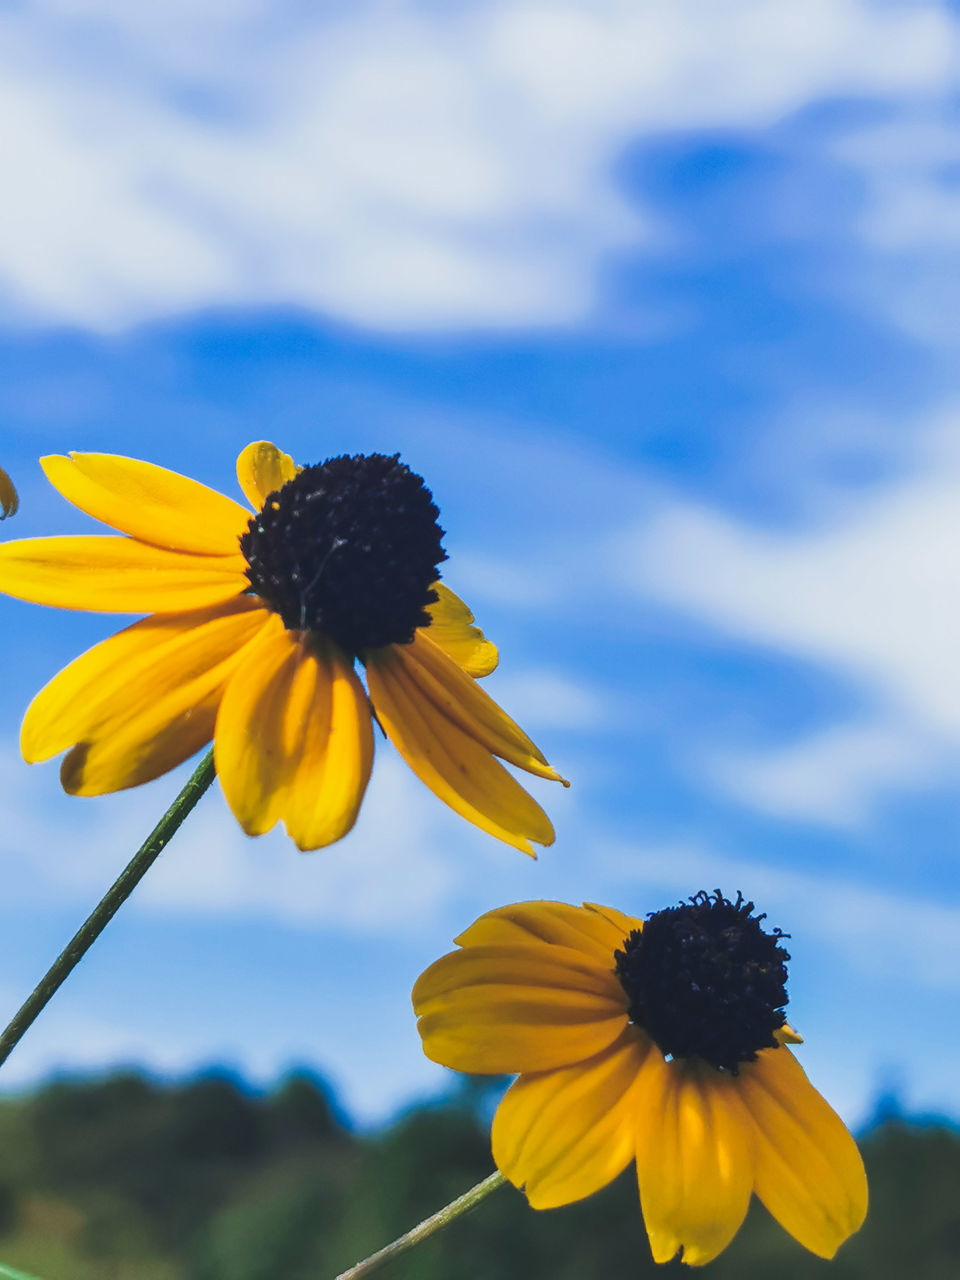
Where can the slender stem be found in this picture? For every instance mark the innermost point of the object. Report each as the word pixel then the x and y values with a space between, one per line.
pixel 106 909
pixel 435 1222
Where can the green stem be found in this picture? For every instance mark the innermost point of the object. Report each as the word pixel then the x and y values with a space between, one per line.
pixel 106 909
pixel 426 1228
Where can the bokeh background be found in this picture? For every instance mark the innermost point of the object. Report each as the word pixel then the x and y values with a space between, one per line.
pixel 662 299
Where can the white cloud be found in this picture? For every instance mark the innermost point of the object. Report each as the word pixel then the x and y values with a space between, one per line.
pixel 390 875
pixel 909 219
pixel 507 582
pixel 395 164
pixel 873 593
pixel 551 700
pixel 901 160
pixel 833 776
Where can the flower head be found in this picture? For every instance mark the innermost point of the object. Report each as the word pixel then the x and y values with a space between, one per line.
pixel 662 1042
pixel 9 502
pixel 256 624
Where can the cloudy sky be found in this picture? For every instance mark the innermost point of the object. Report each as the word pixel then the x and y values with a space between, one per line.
pixel 662 300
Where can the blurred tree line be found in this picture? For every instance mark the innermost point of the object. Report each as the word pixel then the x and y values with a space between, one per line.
pixel 125 1178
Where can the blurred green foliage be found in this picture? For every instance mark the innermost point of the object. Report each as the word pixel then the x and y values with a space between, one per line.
pixel 128 1179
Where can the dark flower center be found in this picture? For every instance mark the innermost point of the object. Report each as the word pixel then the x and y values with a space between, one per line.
pixel 703 978
pixel 349 547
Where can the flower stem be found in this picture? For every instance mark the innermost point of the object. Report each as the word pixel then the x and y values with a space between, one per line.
pixel 426 1228
pixel 106 909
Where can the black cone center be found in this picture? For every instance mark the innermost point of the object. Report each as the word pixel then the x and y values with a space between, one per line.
pixel 705 979
pixel 349 547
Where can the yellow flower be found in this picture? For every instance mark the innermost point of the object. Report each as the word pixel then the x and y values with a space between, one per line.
pixel 9 502
pixel 254 629
pixel 662 1042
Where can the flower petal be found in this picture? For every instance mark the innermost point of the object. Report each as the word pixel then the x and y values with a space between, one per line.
pixel 294 740
pixel 520 1008
pixel 555 966
pixel 333 759
pixel 261 470
pixel 787 1035
pixel 9 502
pixel 550 923
pixel 451 627
pixel 694 1158
pixel 141 702
pixel 451 763
pixel 431 674
pixel 561 1135
pixel 149 503
pixel 622 924
pixel 116 575
pixel 809 1172
pixel 252 764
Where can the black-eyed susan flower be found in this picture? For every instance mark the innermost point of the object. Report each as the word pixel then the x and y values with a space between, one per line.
pixel 9 502
pixel 662 1042
pixel 256 625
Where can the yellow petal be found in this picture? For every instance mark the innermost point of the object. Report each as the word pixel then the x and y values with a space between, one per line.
pixel 619 922
pixel 149 502
pixel 550 923
pixel 694 1158
pixel 564 1134
pixel 141 702
pixel 116 575
pixel 256 725
pixel 9 502
pixel 451 627
pixel 334 758
pixel 430 674
pixel 261 470
pixel 809 1172
pixel 452 764
pixel 147 662
pixel 496 1009
pixel 294 740
pixel 531 963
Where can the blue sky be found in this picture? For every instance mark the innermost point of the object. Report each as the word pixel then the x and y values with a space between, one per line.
pixel 661 300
